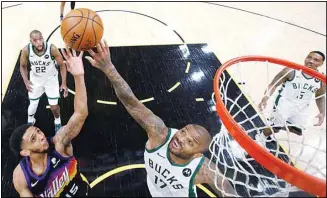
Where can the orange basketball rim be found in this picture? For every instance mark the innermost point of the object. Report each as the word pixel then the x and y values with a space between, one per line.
pixel 283 170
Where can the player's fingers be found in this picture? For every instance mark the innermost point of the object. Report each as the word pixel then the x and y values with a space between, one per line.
pixel 63 51
pixel 74 52
pixel 91 52
pixel 90 60
pixel 260 107
pixel 102 46
pixel 81 54
pixel 99 48
pixel 321 120
pixel 68 52
pixel 106 47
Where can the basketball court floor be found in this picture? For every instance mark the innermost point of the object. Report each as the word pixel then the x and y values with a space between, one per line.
pixel 168 53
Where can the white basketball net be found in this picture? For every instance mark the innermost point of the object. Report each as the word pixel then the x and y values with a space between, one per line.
pixel 249 178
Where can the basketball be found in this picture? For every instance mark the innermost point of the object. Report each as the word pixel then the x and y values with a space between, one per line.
pixel 82 29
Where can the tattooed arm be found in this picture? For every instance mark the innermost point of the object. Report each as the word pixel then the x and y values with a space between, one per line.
pixel 152 124
pixel 63 137
pixel 206 176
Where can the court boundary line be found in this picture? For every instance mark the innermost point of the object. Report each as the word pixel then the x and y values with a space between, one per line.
pixel 269 17
pixel 11 6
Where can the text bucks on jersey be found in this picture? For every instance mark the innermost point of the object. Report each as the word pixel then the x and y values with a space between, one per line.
pixel 166 179
pixel 301 87
pixel 44 64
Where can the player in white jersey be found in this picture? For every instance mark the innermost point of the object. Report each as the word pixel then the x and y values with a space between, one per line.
pixel 174 158
pixel 295 95
pixel 43 76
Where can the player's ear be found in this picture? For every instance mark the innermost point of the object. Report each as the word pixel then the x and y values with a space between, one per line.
pixel 24 153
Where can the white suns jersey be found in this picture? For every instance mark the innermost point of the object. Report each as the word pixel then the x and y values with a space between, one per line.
pixel 42 66
pixel 166 179
pixel 300 90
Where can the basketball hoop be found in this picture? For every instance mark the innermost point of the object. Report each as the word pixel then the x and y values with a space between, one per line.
pixel 225 106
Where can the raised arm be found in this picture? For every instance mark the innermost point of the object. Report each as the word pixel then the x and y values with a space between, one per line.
pixel 63 137
pixel 206 176
pixel 152 124
pixel 23 68
pixel 321 103
pixel 280 78
pixel 62 7
pixel 63 72
pixel 20 184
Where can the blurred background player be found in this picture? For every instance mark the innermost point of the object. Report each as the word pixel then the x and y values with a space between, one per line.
pixel 291 107
pixel 62 8
pixel 48 167
pixel 43 76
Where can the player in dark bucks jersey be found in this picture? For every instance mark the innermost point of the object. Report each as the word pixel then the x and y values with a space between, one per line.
pixel 43 76
pixel 173 157
pixel 48 167
pixel 295 95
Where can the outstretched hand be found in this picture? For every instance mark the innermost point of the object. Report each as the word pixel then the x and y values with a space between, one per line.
pixel 29 85
pixel 101 59
pixel 263 103
pixel 73 62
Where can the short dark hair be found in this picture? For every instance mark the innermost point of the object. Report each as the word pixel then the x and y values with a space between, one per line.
pixel 35 32
pixel 17 137
pixel 320 53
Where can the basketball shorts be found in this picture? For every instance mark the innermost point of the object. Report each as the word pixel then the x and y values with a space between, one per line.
pixel 49 86
pixel 289 114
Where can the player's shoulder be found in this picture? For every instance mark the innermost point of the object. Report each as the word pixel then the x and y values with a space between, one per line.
pixel 51 46
pixel 19 179
pixel 25 48
pixel 204 175
pixel 18 173
pixel 288 73
pixel 287 69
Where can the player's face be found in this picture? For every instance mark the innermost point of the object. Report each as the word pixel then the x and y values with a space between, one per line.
pixel 34 141
pixel 313 60
pixel 186 142
pixel 37 41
